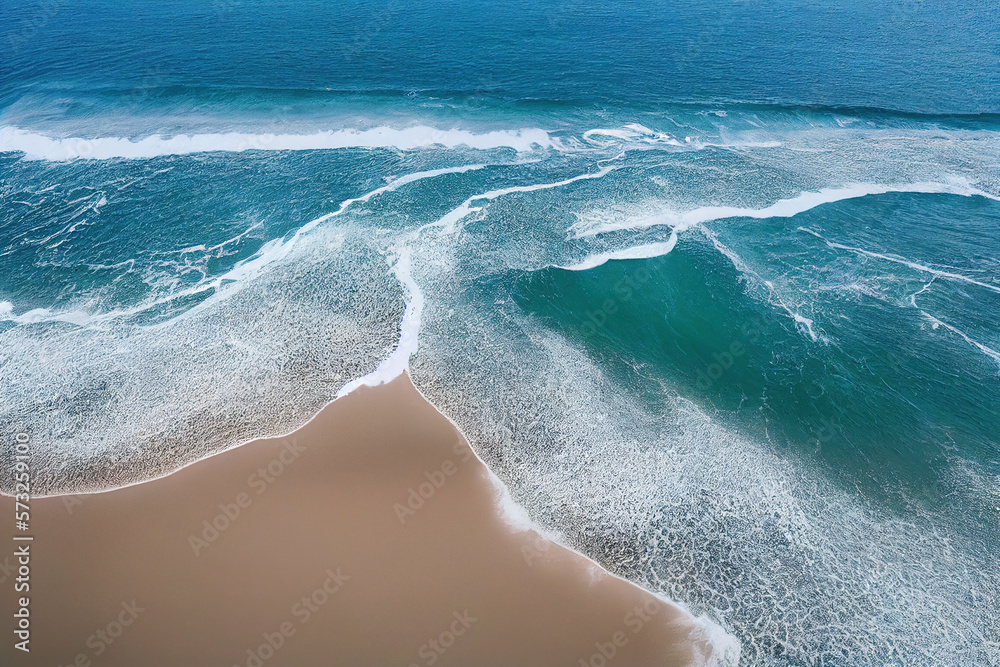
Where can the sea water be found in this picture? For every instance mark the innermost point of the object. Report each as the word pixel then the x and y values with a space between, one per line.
pixel 713 287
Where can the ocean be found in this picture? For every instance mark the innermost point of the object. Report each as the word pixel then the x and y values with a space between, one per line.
pixel 714 287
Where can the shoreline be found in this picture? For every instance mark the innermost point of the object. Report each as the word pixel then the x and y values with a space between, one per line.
pixel 549 603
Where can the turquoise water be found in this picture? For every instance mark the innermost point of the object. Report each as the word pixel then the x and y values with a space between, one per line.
pixel 714 288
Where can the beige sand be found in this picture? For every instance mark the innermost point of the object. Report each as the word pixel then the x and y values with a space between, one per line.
pixel 329 555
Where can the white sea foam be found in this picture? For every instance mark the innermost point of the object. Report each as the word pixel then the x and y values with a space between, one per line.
pixel 278 249
pixel 403 180
pixel 37 315
pixel 42 147
pixel 784 208
pixel 632 132
pixel 726 648
pixel 409 330
pixel 636 252
pixel 801 322
pixel 449 221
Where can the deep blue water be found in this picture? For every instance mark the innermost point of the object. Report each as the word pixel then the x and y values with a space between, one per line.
pixel 714 287
pixel 914 56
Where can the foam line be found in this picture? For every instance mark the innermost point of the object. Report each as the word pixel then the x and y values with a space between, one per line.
pixel 409 330
pixel 637 252
pixel 630 132
pixel 449 222
pixel 636 133
pixel 41 147
pixel 784 208
pixel 989 352
pixel 905 262
pixel 403 180
pixel 202 248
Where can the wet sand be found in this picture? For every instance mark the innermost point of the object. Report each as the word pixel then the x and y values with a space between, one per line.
pixel 370 537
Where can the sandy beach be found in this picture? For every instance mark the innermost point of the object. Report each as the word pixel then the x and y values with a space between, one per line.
pixel 371 536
